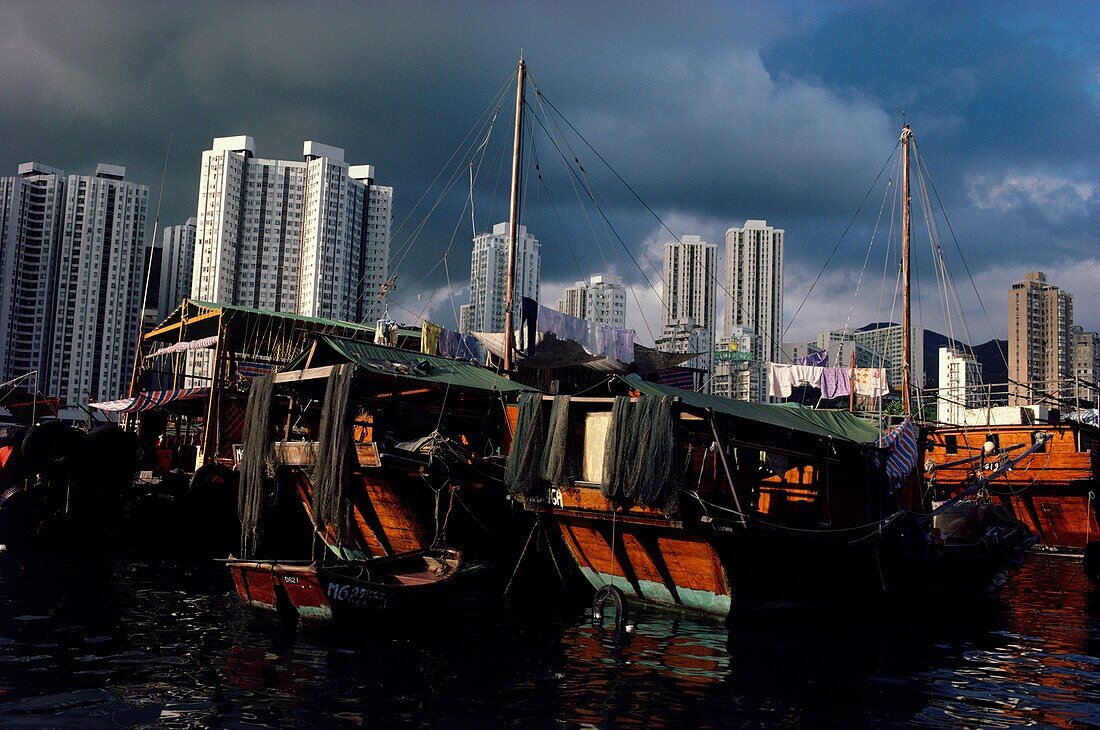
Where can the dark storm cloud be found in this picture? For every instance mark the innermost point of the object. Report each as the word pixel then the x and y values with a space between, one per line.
pixel 713 112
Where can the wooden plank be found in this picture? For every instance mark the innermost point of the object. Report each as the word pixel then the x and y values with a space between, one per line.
pixel 294 376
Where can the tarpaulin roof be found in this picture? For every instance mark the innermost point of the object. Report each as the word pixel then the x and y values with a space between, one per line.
pixel 552 352
pixel 149 399
pixel 832 424
pixel 407 364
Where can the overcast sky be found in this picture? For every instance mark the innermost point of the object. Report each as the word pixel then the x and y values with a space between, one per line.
pixel 712 113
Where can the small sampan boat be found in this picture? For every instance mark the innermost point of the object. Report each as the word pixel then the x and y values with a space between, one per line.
pixel 313 593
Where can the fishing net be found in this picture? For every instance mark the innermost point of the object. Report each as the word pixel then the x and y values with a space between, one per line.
pixel 559 458
pixel 335 457
pixel 617 451
pixel 524 461
pixel 659 482
pixel 255 462
pixel 640 456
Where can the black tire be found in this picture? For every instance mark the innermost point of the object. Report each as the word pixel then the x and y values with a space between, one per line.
pixel 599 602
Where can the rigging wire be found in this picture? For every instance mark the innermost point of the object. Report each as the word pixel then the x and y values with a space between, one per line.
pixel 839 241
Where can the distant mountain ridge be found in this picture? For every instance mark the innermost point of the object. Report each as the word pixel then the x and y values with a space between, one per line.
pixel 992 355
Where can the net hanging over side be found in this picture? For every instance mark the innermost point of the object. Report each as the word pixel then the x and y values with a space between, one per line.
pixel 335 457
pixel 524 461
pixel 642 453
pixel 253 494
pixel 559 457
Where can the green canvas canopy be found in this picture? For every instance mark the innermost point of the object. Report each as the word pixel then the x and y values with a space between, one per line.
pixel 831 424
pixel 403 364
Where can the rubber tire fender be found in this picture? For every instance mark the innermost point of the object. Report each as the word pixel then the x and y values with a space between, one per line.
pixel 599 601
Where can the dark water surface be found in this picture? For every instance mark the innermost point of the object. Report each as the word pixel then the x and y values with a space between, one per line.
pixel 114 641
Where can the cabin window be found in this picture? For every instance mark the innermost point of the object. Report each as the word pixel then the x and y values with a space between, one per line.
pixel 951 444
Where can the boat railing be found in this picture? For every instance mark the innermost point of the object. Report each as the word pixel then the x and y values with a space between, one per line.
pixel 959 404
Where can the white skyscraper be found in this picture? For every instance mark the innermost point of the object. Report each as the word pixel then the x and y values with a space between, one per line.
pixel 102 263
pixel 31 208
pixel 601 299
pixel 690 315
pixel 960 385
pixel 488 269
pixel 72 265
pixel 308 236
pixel 177 261
pixel 754 282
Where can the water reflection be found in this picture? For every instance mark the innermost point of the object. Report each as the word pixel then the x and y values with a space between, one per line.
pixel 117 640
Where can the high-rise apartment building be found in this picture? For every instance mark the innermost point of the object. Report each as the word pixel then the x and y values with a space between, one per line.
pixel 1040 343
pixel 177 261
pixel 32 205
pixel 99 292
pixel 959 386
pixel 72 265
pixel 601 299
pixel 309 236
pixel 754 286
pixel 690 313
pixel 488 270
pixel 1086 365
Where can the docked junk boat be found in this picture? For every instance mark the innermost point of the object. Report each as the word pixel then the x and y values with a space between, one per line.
pixel 1052 490
pixel 388 451
pixel 689 501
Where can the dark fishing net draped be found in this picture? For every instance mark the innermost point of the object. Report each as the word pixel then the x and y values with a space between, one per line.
pixel 617 450
pixel 255 462
pixel 641 453
pixel 559 458
pixel 524 461
pixel 335 457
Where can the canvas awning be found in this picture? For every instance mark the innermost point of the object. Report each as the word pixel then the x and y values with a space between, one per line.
pixel 551 352
pixel 403 365
pixel 149 399
pixel 831 424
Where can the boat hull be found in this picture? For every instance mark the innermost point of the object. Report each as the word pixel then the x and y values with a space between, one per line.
pixel 347 591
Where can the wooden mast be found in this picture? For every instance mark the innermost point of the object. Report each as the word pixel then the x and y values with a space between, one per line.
pixel 906 339
pixel 513 222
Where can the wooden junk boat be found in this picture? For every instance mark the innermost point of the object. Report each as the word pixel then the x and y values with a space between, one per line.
pixel 426 435
pixel 686 500
pixel 1052 490
pixel 190 384
pixel 318 593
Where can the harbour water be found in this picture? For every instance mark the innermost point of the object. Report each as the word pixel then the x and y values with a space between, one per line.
pixel 120 641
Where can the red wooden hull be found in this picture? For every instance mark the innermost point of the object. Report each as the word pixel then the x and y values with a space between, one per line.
pixel 318 594
pixel 1048 491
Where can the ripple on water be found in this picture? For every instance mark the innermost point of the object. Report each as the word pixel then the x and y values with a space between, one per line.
pixel 121 639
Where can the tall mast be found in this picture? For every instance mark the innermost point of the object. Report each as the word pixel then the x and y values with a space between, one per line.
pixel 907 345
pixel 513 221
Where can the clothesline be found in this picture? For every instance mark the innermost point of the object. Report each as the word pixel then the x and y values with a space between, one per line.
pixel 833 382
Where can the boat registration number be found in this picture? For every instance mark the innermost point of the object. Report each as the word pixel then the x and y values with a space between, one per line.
pixel 554 498
pixel 356 595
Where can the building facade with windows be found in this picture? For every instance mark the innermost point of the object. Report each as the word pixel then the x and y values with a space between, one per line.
pixel 754 287
pixel 1086 365
pixel 959 386
pixel 308 236
pixel 601 299
pixel 72 274
pixel 690 304
pixel 1040 340
pixel 176 266
pixel 488 271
